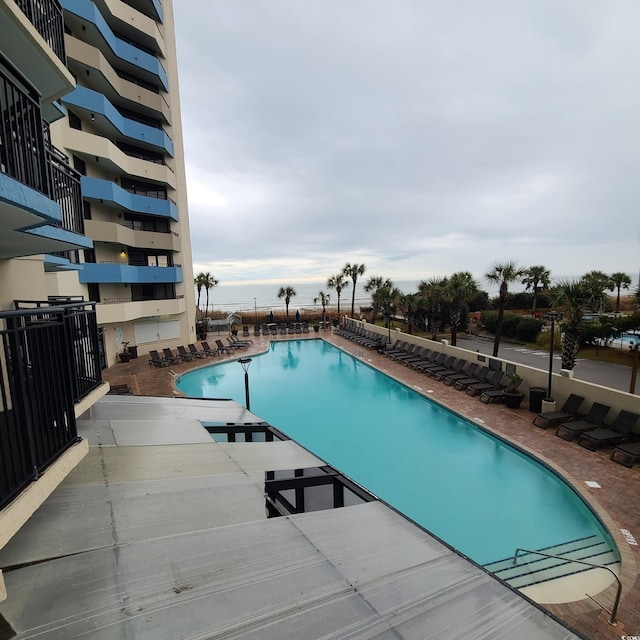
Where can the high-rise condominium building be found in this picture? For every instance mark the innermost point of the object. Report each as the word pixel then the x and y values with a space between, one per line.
pixel 113 114
pixel 121 130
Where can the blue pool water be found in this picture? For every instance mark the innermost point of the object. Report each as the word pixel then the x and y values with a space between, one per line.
pixel 478 494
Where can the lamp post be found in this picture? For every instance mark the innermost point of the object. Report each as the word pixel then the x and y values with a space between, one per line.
pixel 244 363
pixel 553 316
pixel 255 312
pixel 634 368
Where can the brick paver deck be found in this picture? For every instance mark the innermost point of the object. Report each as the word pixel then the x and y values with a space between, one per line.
pixel 617 501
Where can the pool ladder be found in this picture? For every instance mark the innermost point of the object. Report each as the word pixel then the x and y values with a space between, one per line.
pixel 358 353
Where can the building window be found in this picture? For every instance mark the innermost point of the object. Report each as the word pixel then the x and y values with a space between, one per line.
pixel 74 121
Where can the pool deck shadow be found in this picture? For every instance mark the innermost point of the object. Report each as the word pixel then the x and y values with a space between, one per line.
pixel 617 501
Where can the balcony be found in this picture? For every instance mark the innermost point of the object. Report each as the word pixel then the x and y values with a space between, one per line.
pixel 108 121
pixel 105 191
pixel 46 17
pixel 116 272
pixel 83 16
pixel 114 310
pixel 40 198
pixel 33 37
pixel 50 363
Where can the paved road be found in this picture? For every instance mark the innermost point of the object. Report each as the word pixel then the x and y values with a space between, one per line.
pixel 615 376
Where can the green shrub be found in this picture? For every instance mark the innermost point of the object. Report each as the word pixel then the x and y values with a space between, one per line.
pixel 528 329
pixel 510 324
pixel 489 320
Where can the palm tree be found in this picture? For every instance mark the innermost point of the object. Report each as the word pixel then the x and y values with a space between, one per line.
pixel 598 281
pixel 208 282
pixel 338 283
pixel 458 290
pixel 324 301
pixel 375 283
pixel 502 274
pixel 386 297
pixel 411 304
pixel 537 278
pixel 353 271
pixel 287 293
pixel 619 281
pixel 432 292
pixel 199 282
pixel 573 298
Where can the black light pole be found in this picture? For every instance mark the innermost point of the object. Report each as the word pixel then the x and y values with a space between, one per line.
pixel 553 316
pixel 244 363
pixel 634 369
pixel 255 312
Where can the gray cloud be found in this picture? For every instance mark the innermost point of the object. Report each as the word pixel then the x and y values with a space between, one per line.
pixel 419 138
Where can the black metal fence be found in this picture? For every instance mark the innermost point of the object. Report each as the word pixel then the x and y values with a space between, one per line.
pixel 46 17
pixel 26 152
pixel 64 186
pixel 22 154
pixel 49 361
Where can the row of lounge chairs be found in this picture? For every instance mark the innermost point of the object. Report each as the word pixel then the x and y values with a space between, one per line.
pixel 274 329
pixel 592 431
pixel 191 352
pixel 470 377
pixel 367 339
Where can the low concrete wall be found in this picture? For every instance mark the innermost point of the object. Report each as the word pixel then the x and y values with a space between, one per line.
pixel 562 386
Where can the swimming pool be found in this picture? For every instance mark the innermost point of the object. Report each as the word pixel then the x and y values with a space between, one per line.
pixel 474 491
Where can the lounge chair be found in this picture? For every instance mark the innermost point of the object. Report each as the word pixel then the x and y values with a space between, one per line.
pixel 418 356
pixel 157 360
pixel 594 419
pixel 194 351
pixel 208 350
pixel 171 359
pixel 185 356
pixel 492 382
pixel 436 358
pixel 445 364
pixel 630 453
pixel 616 433
pixel 398 347
pixel 236 339
pixel 224 348
pixel 479 376
pixel 237 345
pixel 456 367
pixel 245 330
pixel 568 411
pixel 409 352
pixel 467 372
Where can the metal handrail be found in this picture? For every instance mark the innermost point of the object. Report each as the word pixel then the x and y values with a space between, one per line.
pixel 614 611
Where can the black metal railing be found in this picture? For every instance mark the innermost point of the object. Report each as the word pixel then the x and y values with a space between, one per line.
pixel 49 361
pixel 46 17
pixel 22 151
pixel 26 152
pixel 64 187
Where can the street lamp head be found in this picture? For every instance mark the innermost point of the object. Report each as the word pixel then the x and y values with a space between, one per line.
pixel 554 315
pixel 244 363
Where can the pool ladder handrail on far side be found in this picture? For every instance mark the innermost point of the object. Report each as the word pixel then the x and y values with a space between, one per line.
pixel 614 611
pixel 358 353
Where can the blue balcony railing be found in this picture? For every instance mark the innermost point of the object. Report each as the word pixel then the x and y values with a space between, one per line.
pixel 50 360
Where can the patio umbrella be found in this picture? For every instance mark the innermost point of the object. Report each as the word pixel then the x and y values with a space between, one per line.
pixel 271 319
pixel 297 316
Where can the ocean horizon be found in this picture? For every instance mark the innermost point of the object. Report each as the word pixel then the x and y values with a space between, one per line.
pixel 261 298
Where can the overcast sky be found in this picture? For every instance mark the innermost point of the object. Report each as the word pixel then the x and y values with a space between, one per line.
pixel 417 137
